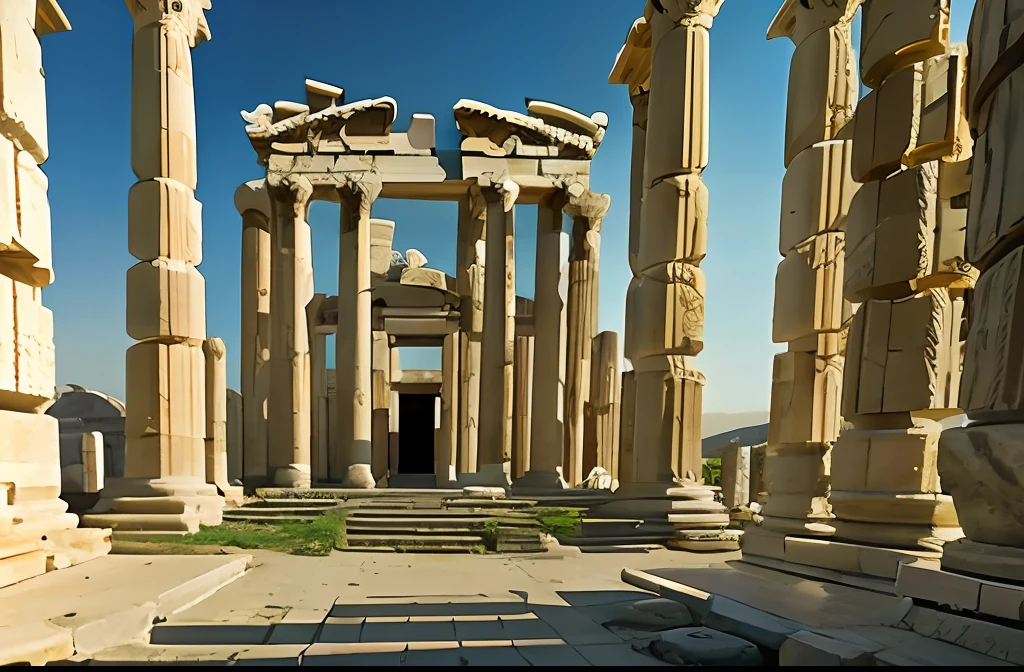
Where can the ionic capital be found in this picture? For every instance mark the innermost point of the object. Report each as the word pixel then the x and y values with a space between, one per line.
pixel 361 189
pixel 253 195
pixel 691 13
pixel 588 205
pixel 185 15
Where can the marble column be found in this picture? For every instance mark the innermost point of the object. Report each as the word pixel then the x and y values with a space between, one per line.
pixel 601 435
pixel 522 399
pixel 587 210
pixel 627 411
pixel 215 353
pixel 470 263
pixel 671 243
pixel 252 200
pixel 319 412
pixel 497 350
pixel 354 342
pixel 381 404
pixel 446 442
pixel 638 98
pixel 288 405
pixel 165 423
pixel 549 349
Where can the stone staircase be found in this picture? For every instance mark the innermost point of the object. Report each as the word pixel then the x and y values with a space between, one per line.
pixel 444 530
pixel 406 520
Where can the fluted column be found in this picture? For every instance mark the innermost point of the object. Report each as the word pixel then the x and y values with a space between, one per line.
pixel 671 243
pixel 253 202
pixel 549 348
pixel 165 391
pixel 288 406
pixel 354 341
pixel 470 264
pixel 498 347
pixel 637 188
pixel 446 442
pixel 587 210
pixel 319 416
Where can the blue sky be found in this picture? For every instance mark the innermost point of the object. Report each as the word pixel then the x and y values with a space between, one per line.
pixel 426 56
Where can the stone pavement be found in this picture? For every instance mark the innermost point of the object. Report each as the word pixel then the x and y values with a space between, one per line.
pixel 396 609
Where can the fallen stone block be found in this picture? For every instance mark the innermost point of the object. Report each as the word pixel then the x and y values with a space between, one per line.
pixel 703 646
pixel 810 649
pixel 656 614
pixel 35 644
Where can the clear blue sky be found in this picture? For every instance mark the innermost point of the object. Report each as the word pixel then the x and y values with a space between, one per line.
pixel 427 55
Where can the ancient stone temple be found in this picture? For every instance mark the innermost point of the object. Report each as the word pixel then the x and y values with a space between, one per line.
pixel 165 479
pixel 37 533
pixel 305 424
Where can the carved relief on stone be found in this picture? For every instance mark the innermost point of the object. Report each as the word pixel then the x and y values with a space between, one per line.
pixel 677 207
pixel 24 218
pixel 807 284
pixel 823 89
pixel 995 40
pixel 579 141
pixel 903 356
pixel 27 373
pixel 668 311
pixel 690 13
pixel 993 373
pixel 996 208
pixel 898 33
pixel 798 19
pixel 805 398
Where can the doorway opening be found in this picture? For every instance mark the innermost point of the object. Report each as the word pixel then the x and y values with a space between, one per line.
pixel 416 422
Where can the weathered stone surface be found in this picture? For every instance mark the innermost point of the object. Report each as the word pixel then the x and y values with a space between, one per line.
pixel 805 398
pixel 996 48
pixel 897 460
pixel 893 507
pixel 668 317
pixel 704 646
pixel 823 89
pixel 167 300
pixel 992 385
pixel 982 467
pixel 800 468
pixel 27 373
pixel 680 205
pixel 25 253
pixel 885 127
pixel 811 649
pixel 809 279
pixel 816 193
pixel 903 356
pixel 898 33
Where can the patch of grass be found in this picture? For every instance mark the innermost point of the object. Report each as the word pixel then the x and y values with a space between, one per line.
pixel 712 471
pixel 560 523
pixel 314 537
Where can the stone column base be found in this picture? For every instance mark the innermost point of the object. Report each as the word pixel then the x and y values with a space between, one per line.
pixel 292 476
pixel 494 475
pixel 986 560
pixel 539 483
pixel 156 505
pixel 359 476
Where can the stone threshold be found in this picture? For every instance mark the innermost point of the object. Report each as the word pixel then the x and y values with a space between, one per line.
pixel 104 603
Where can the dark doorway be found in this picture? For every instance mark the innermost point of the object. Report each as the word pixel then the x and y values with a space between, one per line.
pixel 416 433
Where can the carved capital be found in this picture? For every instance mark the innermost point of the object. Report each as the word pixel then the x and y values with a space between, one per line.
pixel 691 13
pixel 186 15
pixel 589 205
pixel 296 192
pixel 361 189
pixel 492 189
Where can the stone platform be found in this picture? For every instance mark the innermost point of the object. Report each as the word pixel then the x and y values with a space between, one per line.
pixel 104 602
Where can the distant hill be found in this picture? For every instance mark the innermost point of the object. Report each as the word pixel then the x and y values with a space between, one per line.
pixel 719 429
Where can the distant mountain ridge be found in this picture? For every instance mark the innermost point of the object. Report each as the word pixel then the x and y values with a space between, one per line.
pixel 718 430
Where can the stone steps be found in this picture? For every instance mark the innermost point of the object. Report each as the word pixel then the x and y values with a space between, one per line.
pixel 418 543
pixel 265 513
